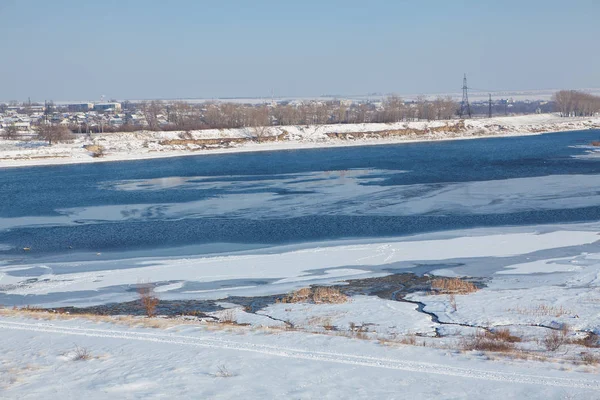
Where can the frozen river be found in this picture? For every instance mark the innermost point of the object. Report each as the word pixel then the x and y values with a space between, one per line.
pixel 260 203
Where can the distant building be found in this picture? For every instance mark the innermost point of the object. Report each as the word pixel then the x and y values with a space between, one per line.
pixel 103 107
pixel 80 107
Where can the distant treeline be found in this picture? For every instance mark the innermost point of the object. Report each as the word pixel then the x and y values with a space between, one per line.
pixel 181 115
pixel 572 103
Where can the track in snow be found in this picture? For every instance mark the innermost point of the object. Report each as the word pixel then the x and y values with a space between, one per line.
pixel 340 358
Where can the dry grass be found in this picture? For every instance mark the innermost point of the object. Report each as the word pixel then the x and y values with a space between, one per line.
pixel 303 295
pixel 589 359
pixel 499 341
pixel 555 339
pixel 452 286
pixel 319 295
pixel 542 310
pixel 324 322
pixel 328 295
pixel 96 150
pixel 223 372
pixel 410 340
pixel 127 320
pixel 505 335
pixel 359 331
pixel 591 340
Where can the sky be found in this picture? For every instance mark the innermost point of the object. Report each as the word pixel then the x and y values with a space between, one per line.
pixel 146 49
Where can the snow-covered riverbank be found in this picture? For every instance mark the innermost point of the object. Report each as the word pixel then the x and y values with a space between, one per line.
pixel 147 145
pixel 531 332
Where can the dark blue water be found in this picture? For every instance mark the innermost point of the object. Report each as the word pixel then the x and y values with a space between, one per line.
pixel 292 196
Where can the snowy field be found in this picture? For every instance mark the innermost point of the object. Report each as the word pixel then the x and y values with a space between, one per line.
pixel 538 281
pixel 40 361
pixel 147 145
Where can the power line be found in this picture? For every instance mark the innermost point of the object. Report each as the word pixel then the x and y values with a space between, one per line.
pixel 465 107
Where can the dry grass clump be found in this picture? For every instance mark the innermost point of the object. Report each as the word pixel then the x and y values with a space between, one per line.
pixel 81 354
pixel 499 341
pixel 591 340
pixel 223 372
pixel 96 150
pixel 319 295
pixel 452 286
pixel 328 295
pixel 78 354
pixel 410 340
pixel 359 331
pixel 589 358
pixel 505 335
pixel 303 295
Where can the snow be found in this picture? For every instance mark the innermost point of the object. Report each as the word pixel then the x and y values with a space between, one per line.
pixel 38 361
pixel 145 144
pixel 102 280
pixel 383 318
pixel 545 292
pixel 540 279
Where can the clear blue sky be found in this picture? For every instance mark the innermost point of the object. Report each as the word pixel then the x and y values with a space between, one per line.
pixel 80 49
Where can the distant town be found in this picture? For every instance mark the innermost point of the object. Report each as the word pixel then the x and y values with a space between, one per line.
pixel 20 119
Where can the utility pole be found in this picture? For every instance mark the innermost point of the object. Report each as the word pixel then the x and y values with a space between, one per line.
pixel 465 107
pixel 490 109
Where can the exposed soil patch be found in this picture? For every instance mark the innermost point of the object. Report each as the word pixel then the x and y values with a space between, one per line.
pixel 391 287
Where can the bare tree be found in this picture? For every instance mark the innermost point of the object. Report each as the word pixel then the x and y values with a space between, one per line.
pixel 54 133
pixel 10 132
pixel 393 109
pixel 575 103
pixel 423 108
pixel 151 110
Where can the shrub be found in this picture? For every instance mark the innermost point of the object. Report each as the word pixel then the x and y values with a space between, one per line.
pixel 555 339
pixel 227 316
pixel 148 299
pixel 452 300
